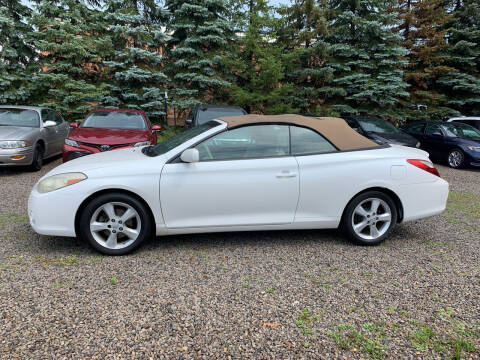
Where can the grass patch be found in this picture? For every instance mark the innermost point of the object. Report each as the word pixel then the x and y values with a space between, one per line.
pixel 6 219
pixel 456 345
pixel 463 205
pixel 57 261
pixel 305 321
pixel 368 339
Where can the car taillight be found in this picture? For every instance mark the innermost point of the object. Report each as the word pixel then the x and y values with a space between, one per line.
pixel 424 165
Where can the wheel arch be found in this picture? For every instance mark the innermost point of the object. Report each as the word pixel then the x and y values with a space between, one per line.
pixel 112 190
pixel 392 194
pixel 42 143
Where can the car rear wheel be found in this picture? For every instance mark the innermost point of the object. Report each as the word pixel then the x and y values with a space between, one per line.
pixel 37 162
pixel 455 158
pixel 115 224
pixel 369 218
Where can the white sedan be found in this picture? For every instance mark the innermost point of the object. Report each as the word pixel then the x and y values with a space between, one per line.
pixel 240 173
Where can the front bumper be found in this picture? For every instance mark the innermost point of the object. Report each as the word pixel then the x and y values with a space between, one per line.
pixel 24 156
pixel 70 152
pixel 472 158
pixel 53 213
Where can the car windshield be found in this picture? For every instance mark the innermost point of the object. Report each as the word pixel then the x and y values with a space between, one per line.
pixel 114 120
pixel 208 114
pixel 19 117
pixel 179 139
pixel 460 130
pixel 378 126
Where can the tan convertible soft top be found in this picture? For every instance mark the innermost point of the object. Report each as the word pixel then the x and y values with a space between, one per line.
pixel 336 130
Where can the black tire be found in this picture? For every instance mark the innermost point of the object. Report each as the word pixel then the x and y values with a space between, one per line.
pixel 95 204
pixel 348 218
pixel 456 159
pixel 37 162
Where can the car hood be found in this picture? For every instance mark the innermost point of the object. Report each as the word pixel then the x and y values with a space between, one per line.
pixel 100 136
pixel 108 162
pixel 400 138
pixel 16 132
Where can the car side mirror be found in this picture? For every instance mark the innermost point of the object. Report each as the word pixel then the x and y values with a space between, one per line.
pixel 49 123
pixel 190 156
pixel 73 125
pixel 157 128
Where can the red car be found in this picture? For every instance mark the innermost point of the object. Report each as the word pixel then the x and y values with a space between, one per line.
pixel 109 129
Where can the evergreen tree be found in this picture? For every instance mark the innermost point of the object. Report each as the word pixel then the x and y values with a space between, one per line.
pixel 462 86
pixel 424 32
pixel 70 38
pixel 137 80
pixel 303 32
pixel 200 36
pixel 16 54
pixel 366 58
pixel 254 63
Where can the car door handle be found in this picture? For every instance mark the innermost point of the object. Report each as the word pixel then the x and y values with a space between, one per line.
pixel 286 175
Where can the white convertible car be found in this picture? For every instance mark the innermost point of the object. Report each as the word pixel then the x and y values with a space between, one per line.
pixel 239 173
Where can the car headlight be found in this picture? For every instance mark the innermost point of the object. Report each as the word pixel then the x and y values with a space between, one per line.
pixel 59 181
pixel 417 145
pixel 14 144
pixel 71 142
pixel 473 148
pixel 142 143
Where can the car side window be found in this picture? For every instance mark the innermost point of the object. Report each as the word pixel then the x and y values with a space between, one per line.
pixel 47 115
pixel 306 141
pixel 247 142
pixel 431 129
pixel 57 118
pixel 416 129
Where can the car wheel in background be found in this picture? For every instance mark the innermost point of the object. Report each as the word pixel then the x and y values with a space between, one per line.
pixel 37 162
pixel 115 223
pixel 369 218
pixel 455 158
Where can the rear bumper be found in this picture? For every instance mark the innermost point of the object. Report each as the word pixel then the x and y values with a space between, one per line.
pixel 427 200
pixel 25 157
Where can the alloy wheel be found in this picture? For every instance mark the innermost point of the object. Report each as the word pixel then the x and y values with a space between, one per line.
pixel 371 218
pixel 455 158
pixel 115 225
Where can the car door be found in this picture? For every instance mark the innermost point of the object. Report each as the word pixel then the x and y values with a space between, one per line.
pixel 433 141
pixel 245 176
pixel 61 129
pixel 49 133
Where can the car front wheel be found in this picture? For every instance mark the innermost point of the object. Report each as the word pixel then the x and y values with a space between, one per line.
pixel 455 158
pixel 369 218
pixel 37 162
pixel 115 224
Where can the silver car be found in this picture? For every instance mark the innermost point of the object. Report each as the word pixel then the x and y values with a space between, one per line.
pixel 29 134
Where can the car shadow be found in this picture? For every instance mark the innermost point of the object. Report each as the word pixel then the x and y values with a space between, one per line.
pixel 67 246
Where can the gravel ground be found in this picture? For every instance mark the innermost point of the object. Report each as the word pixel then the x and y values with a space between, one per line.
pixel 282 295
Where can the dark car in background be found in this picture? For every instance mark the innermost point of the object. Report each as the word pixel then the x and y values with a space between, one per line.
pixel 202 114
pixel 29 134
pixel 456 143
pixel 380 131
pixel 109 129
